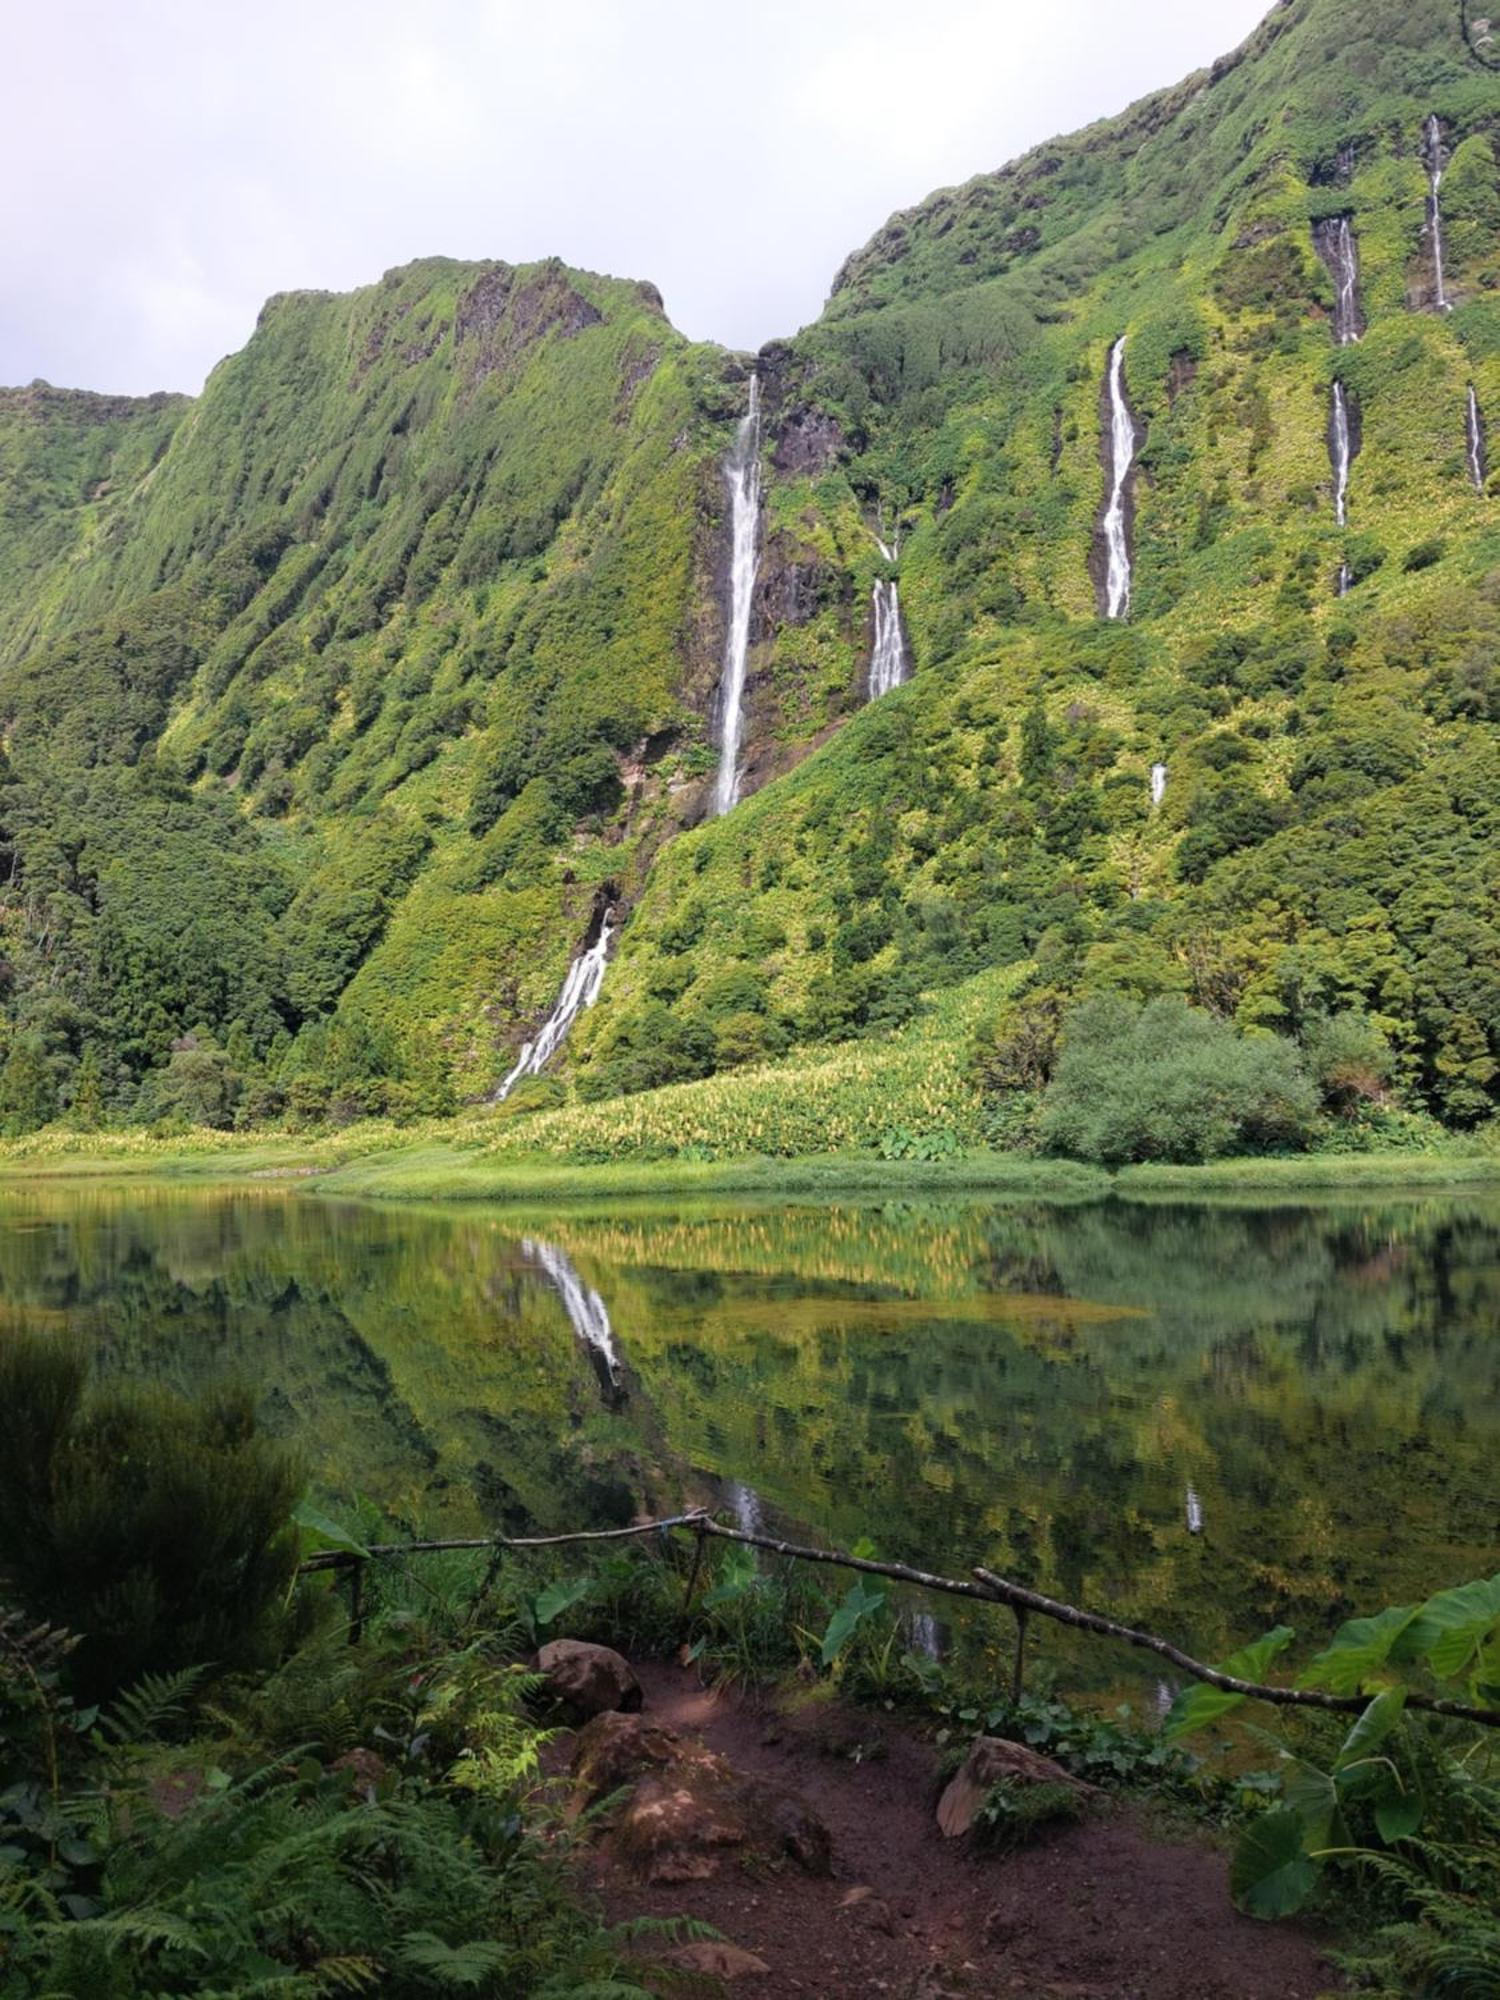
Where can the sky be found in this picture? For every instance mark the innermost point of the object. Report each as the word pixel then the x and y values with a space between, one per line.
pixel 174 162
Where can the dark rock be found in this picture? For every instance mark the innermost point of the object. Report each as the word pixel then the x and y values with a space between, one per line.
pixel 589 1680
pixel 810 441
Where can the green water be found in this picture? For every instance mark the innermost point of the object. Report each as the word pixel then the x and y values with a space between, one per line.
pixel 1039 1389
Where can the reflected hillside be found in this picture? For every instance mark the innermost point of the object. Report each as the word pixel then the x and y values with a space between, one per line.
pixel 1063 1393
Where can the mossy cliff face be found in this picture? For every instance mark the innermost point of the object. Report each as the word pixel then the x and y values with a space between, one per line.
pixel 338 700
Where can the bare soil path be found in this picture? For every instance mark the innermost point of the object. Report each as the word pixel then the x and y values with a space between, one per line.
pixel 1106 1910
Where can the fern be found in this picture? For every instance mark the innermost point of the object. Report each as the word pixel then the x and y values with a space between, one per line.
pixel 149 1709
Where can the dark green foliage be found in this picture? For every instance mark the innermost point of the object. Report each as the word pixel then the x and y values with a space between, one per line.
pixel 155 1528
pixel 1170 1082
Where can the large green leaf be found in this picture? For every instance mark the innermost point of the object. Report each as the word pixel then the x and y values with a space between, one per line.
pixel 1314 1797
pixel 559 1597
pixel 1201 1704
pixel 864 1598
pixel 740 1573
pixel 1358 1651
pixel 1272 1874
pixel 1452 1628
pixel 320 1530
pixel 1371 1728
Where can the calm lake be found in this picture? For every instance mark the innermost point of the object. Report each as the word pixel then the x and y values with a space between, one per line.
pixel 1203 1419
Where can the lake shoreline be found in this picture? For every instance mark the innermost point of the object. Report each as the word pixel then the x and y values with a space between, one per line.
pixel 371 1165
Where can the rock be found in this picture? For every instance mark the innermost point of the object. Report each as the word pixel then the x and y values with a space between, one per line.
pixel 590 1680
pixel 364 1768
pixel 866 1908
pixel 710 1958
pixel 687 1807
pixel 614 1750
pixel 992 1761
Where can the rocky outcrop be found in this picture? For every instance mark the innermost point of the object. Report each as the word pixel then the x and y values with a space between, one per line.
pixel 808 441
pixel 687 1809
pixel 990 1762
pixel 588 1680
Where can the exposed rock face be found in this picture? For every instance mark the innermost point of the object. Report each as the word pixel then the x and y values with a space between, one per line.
pixel 990 1762
pixel 589 1680
pixel 500 315
pixel 793 593
pixel 809 441
pixel 688 1808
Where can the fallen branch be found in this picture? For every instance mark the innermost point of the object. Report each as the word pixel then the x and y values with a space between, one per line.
pixel 1021 1600
pixel 989 1589
pixel 346 1558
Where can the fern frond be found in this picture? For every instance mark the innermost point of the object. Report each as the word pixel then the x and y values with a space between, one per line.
pixel 153 1704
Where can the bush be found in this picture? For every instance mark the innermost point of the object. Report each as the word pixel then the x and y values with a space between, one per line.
pixel 1169 1082
pixel 156 1528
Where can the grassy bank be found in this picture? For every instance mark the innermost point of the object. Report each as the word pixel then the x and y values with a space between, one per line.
pixel 451 1162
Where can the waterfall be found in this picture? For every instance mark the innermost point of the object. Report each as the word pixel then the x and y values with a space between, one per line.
pixel 888 657
pixel 742 476
pixel 924 1635
pixel 579 990
pixel 1346 578
pixel 587 1313
pixel 1433 137
pixel 744 1504
pixel 1194 1512
pixel 1333 239
pixel 1158 783
pixel 1121 458
pixel 1340 450
pixel 1475 431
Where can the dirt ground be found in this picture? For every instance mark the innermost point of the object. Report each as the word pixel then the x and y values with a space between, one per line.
pixel 1105 1910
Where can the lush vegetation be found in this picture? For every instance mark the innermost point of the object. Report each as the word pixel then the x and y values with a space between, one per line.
pixel 338 701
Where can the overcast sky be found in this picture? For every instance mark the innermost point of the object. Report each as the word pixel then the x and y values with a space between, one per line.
pixel 169 163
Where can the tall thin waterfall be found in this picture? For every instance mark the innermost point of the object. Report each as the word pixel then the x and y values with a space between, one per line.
pixel 587 1313
pixel 744 1503
pixel 1158 783
pixel 1340 450
pixel 742 476
pixel 1333 239
pixel 1474 426
pixel 1436 156
pixel 888 662
pixel 1121 458
pixel 579 990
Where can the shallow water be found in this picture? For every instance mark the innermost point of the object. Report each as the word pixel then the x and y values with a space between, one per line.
pixel 1060 1393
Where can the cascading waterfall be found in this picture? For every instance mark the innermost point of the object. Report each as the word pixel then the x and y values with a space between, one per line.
pixel 1474 425
pixel 1158 783
pixel 1193 1507
pixel 579 991
pixel 888 664
pixel 744 1503
pixel 1340 450
pixel 1333 239
pixel 587 1313
pixel 1121 459
pixel 742 476
pixel 1436 155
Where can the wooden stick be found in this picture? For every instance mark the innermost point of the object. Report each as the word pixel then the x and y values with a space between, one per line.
pixel 1021 1600
pixel 343 1558
pixel 988 1589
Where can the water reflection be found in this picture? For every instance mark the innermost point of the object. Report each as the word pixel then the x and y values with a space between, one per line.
pixel 1201 1419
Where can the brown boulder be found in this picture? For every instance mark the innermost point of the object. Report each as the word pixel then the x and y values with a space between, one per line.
pixel 589 1680
pixel 687 1807
pixel 711 1958
pixel 992 1761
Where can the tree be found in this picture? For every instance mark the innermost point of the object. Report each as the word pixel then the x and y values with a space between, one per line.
pixel 1170 1082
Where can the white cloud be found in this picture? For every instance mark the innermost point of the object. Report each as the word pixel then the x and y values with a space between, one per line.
pixel 183 160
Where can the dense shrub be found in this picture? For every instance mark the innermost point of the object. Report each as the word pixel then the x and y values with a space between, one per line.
pixel 1170 1082
pixel 154 1527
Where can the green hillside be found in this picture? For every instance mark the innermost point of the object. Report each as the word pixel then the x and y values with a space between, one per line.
pixel 340 702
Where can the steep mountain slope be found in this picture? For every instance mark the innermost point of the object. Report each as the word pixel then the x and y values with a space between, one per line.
pixel 340 703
